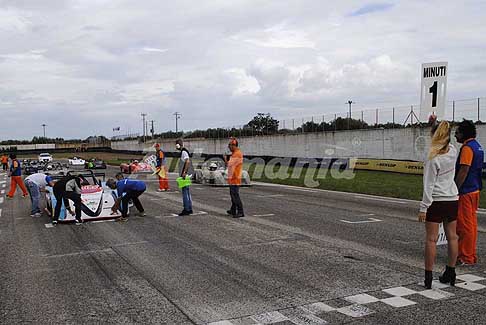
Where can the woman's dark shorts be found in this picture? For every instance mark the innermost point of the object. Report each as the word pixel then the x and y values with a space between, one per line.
pixel 442 211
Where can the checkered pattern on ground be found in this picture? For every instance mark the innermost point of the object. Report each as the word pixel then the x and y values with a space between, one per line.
pixel 357 306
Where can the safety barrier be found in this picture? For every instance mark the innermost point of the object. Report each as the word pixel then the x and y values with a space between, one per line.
pixel 397 166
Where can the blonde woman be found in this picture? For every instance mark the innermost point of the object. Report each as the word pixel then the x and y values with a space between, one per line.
pixel 440 202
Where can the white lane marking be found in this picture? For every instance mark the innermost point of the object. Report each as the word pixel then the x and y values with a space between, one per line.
pixel 380 199
pixel 436 294
pixel 365 215
pixel 271 195
pixel 223 322
pixel 1 200
pixel 471 286
pixel 173 215
pixel 400 291
pixel 102 221
pixel 364 196
pixel 318 307
pixel 398 302
pixel 355 311
pixel 3 182
pixel 49 225
pixel 264 215
pixel 269 318
pixel 4 185
pixel 370 220
pixel 0 212
pixel 361 299
pixel 302 317
pixel 470 278
pixel 167 216
pixel 2 192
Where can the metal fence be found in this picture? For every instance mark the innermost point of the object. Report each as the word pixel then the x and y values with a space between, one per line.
pixel 400 116
pixel 392 117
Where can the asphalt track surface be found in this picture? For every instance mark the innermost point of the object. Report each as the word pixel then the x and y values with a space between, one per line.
pixel 300 256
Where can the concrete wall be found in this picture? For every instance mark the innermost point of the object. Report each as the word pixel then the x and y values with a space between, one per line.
pixel 402 144
pixel 46 146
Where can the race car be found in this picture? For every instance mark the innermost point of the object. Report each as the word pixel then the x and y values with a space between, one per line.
pixel 96 199
pixel 95 164
pixel 75 161
pixel 137 167
pixel 215 172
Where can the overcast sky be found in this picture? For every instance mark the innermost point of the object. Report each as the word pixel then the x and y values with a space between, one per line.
pixel 86 66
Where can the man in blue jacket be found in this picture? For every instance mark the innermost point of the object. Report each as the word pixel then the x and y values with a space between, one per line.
pixel 127 190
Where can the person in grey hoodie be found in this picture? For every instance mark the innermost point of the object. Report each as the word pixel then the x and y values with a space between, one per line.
pixel 440 202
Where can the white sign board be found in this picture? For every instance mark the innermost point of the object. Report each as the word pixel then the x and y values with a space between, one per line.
pixel 433 90
pixel 442 239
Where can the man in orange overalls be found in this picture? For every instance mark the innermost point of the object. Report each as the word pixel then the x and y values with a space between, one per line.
pixel 16 178
pixel 235 168
pixel 4 161
pixel 161 169
pixel 468 180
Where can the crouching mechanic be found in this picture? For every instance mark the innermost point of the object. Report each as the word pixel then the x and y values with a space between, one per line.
pixel 127 189
pixel 68 188
pixel 35 184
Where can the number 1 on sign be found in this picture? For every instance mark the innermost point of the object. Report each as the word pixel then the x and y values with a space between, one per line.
pixel 433 91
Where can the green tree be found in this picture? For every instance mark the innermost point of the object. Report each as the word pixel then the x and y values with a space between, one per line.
pixel 263 123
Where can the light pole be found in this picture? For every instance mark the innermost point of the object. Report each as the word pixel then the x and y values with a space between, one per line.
pixel 350 103
pixel 44 127
pixel 144 126
pixel 177 117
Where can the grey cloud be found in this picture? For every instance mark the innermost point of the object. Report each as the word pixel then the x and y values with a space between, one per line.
pixel 220 62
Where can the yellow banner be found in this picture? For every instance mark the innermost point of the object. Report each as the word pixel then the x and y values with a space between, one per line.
pixel 397 166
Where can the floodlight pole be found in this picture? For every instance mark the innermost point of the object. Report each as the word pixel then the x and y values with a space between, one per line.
pixel 144 126
pixel 177 117
pixel 44 127
pixel 350 103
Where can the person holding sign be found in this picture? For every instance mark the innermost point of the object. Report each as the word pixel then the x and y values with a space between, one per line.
pixel 468 180
pixel 161 169
pixel 440 201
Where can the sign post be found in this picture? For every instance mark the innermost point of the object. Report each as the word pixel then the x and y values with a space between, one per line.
pixel 433 90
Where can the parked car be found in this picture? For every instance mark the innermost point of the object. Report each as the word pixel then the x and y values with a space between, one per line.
pixel 45 157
